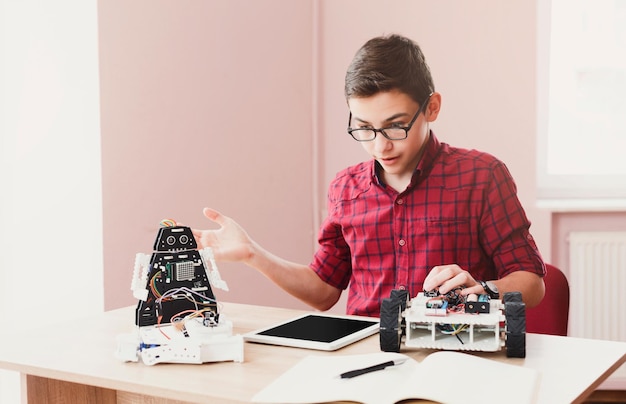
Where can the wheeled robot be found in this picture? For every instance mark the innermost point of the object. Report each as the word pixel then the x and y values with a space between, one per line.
pixel 453 322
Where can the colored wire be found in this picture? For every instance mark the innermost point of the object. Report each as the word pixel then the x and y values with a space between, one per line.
pixel 167 223
pixel 459 308
pixel 452 329
pixel 160 327
pixel 155 292
pixel 179 323
pixel 188 292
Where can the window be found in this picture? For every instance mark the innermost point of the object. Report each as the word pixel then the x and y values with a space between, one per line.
pixel 582 99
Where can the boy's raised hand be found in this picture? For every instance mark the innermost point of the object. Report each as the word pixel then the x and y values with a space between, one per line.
pixel 229 243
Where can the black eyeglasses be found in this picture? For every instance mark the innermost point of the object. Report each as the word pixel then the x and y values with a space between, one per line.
pixel 391 133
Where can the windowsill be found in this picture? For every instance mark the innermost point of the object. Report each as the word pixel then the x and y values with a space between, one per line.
pixel 583 205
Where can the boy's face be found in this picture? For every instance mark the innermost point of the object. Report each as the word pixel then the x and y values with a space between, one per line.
pixel 398 158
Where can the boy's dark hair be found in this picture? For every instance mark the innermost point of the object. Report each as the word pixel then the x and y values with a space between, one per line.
pixel 386 63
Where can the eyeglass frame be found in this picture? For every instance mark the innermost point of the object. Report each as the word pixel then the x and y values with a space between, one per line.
pixel 382 130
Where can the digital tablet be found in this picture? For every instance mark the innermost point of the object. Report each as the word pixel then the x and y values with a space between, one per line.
pixel 324 332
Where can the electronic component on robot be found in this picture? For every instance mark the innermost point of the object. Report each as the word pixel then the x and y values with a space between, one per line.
pixel 178 318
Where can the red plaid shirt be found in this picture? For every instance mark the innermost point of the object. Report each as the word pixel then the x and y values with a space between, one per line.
pixel 460 208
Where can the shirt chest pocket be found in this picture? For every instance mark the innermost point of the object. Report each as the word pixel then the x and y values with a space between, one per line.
pixel 440 242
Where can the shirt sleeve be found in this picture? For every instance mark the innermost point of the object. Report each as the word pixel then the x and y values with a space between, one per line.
pixel 332 261
pixel 504 233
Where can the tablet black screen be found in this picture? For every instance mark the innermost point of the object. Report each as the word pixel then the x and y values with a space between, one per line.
pixel 318 328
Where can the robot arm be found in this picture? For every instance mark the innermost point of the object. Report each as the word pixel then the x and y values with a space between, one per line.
pixel 140 276
pixel 213 274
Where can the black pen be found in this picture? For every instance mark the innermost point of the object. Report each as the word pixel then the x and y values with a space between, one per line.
pixel 373 368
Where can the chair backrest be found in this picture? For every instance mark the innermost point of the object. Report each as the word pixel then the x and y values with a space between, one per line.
pixel 552 314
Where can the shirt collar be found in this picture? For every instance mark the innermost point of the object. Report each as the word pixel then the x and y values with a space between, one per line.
pixel 431 151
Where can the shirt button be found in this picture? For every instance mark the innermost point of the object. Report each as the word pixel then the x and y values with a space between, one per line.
pixel 402 242
pixel 401 287
pixel 400 201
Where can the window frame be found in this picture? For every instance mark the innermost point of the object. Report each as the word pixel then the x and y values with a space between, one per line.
pixel 595 189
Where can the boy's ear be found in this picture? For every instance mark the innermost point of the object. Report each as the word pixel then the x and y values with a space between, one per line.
pixel 433 107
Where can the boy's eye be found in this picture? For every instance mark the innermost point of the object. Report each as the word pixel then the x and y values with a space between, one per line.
pixel 397 125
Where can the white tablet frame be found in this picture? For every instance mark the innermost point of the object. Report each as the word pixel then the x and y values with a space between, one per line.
pixel 372 329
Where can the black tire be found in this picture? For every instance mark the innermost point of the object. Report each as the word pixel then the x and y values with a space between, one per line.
pixel 402 295
pixel 390 325
pixel 512 297
pixel 515 316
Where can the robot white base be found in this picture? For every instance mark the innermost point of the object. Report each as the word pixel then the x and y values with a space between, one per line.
pixel 204 344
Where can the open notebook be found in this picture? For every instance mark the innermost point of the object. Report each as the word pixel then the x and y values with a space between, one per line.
pixel 446 377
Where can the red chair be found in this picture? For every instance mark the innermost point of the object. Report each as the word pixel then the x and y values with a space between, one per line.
pixel 552 314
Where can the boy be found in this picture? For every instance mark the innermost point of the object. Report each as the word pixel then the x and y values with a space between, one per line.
pixel 420 215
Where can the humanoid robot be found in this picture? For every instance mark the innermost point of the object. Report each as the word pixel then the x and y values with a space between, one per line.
pixel 177 281
pixel 177 317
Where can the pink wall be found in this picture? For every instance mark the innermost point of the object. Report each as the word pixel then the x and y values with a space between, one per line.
pixel 206 103
pixel 239 105
pixel 482 55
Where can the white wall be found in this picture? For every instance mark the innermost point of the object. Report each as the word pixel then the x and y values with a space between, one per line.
pixel 50 186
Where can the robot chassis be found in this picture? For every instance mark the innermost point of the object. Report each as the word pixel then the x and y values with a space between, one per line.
pixel 177 317
pixel 452 322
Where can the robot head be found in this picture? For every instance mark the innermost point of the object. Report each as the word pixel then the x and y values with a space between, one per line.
pixel 175 238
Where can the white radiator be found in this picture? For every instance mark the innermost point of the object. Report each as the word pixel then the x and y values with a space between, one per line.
pixel 597 277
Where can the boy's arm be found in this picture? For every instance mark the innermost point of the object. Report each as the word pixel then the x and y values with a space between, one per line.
pixel 231 243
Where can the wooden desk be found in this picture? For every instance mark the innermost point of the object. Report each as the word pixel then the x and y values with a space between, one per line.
pixel 74 362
